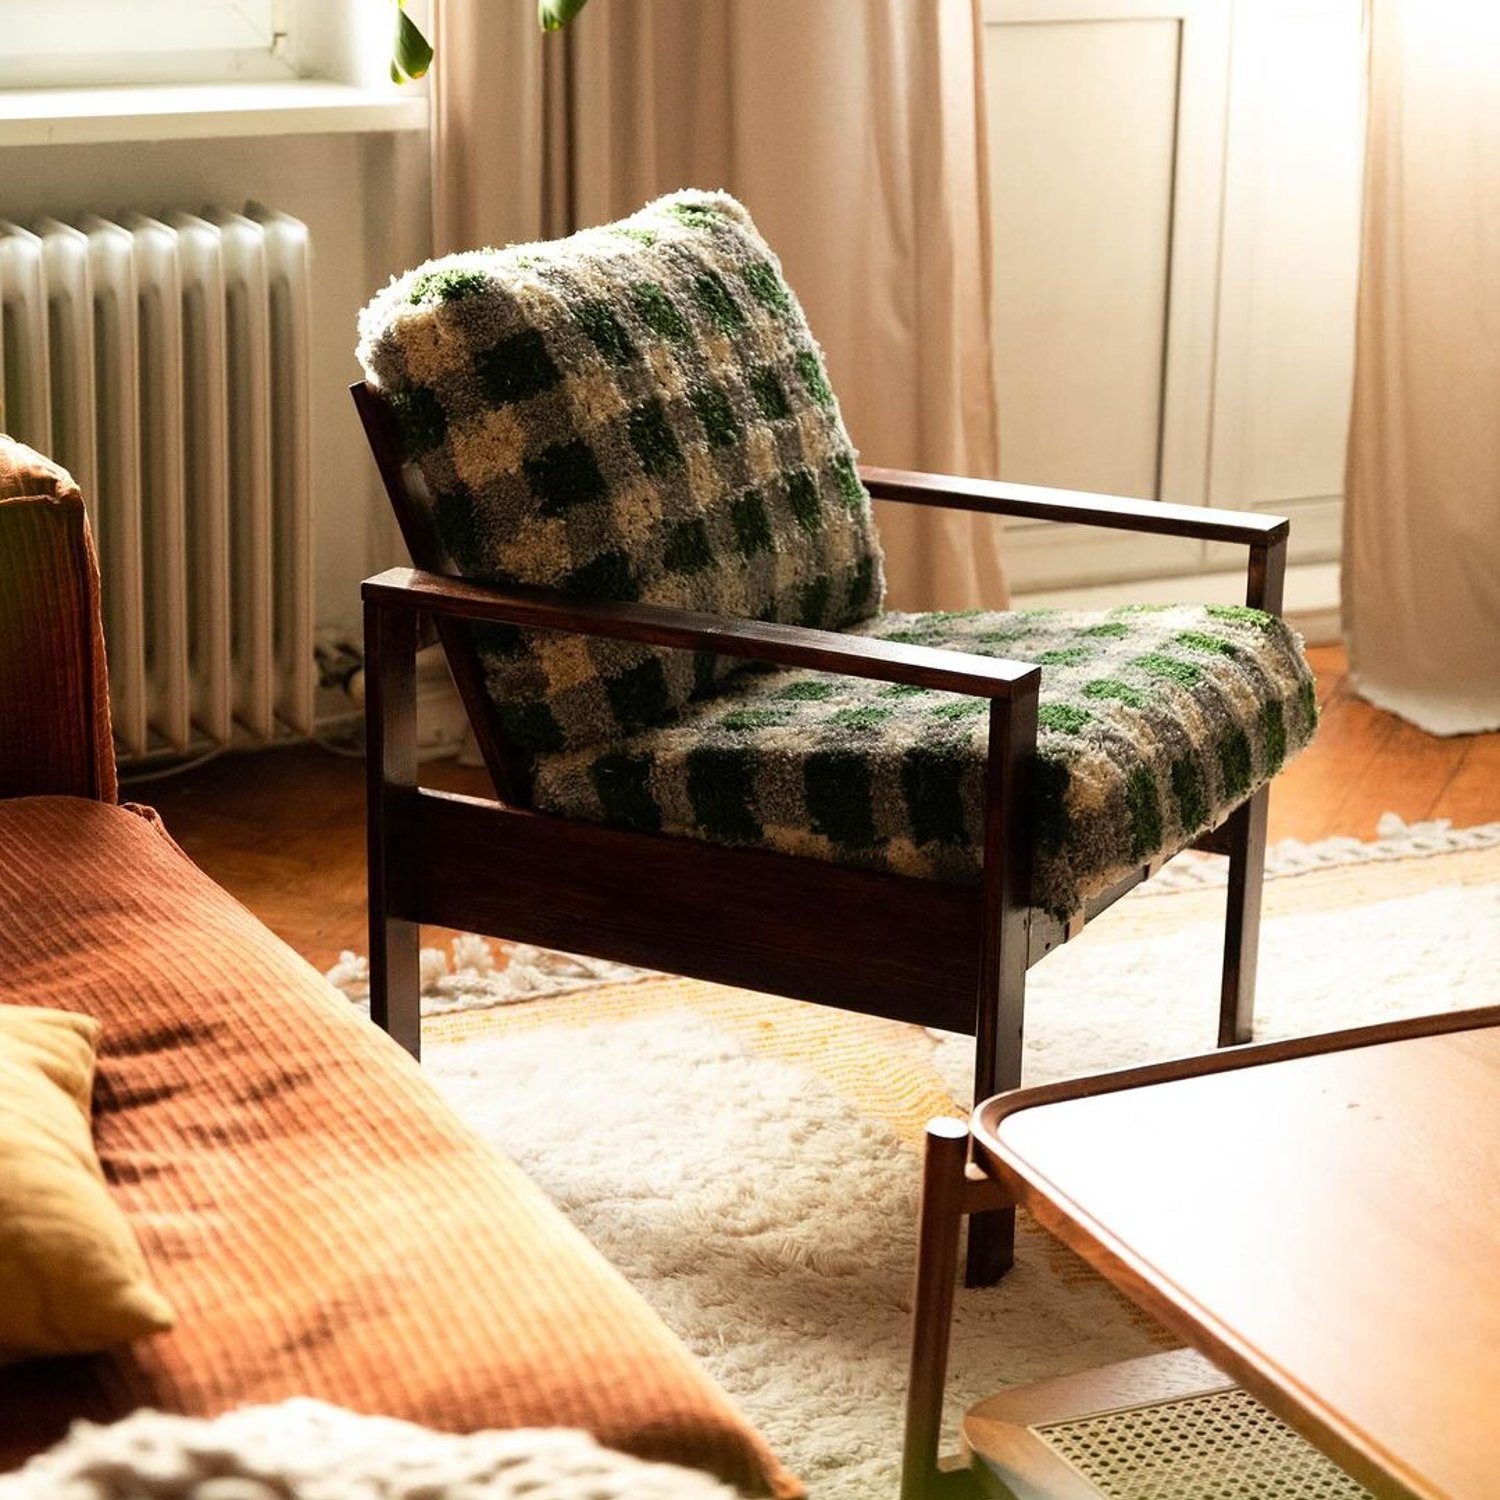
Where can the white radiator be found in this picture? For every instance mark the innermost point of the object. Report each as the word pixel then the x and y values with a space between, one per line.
pixel 164 362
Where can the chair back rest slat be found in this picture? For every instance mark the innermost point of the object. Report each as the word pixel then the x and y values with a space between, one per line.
pixel 508 766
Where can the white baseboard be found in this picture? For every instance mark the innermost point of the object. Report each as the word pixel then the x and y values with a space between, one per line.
pixel 1312 596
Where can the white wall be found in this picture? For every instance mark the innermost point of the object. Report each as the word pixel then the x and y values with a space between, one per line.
pixel 365 200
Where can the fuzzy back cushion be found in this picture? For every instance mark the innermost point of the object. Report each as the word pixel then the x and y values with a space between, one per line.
pixel 637 412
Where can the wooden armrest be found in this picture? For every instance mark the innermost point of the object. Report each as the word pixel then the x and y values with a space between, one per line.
pixel 688 630
pixel 992 497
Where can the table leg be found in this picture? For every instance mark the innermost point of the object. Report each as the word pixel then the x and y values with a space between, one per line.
pixel 944 1181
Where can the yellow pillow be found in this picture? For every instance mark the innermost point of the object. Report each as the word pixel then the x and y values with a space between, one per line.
pixel 72 1278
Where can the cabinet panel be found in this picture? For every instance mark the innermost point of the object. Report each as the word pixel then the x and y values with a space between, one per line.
pixel 1176 196
pixel 1291 262
pixel 1082 122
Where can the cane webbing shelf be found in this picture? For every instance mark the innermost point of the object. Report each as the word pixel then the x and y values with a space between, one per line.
pixel 1188 1432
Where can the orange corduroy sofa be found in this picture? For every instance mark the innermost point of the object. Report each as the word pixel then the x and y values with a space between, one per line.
pixel 321 1222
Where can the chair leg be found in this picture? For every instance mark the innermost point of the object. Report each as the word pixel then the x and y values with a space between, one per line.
pixel 395 980
pixel 390 770
pixel 992 1246
pixel 997 1067
pixel 1000 1000
pixel 1247 860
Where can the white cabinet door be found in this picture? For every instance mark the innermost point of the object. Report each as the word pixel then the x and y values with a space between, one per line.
pixel 1174 262
pixel 1285 367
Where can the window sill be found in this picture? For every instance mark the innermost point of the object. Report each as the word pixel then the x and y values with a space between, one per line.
pixel 181 112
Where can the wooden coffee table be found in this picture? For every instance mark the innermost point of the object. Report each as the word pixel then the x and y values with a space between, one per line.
pixel 1321 1218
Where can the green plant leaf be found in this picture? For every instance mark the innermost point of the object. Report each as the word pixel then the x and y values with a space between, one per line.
pixel 411 53
pixel 553 15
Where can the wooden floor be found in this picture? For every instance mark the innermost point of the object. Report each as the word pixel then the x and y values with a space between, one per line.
pixel 284 829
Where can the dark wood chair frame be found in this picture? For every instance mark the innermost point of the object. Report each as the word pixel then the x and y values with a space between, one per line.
pixel 916 950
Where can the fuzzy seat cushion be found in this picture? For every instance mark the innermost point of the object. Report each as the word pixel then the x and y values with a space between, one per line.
pixel 637 412
pixel 1153 725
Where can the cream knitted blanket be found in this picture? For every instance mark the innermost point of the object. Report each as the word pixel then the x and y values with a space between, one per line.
pixel 306 1450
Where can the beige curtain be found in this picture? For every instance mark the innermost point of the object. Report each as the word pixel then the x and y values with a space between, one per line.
pixel 854 132
pixel 1422 515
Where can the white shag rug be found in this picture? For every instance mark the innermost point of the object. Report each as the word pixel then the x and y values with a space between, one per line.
pixel 1119 1003
pixel 772 1226
pixel 472 979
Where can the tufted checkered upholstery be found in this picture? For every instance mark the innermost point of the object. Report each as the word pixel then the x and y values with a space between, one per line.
pixel 1153 724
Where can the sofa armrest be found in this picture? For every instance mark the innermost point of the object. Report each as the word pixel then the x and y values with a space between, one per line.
pixel 55 734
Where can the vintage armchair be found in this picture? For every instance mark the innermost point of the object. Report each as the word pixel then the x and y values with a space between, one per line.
pixel 711 753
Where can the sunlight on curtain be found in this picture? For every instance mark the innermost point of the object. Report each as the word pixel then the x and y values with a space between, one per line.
pixel 1422 514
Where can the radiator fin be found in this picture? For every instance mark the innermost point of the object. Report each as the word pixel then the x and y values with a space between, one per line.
pixel 163 358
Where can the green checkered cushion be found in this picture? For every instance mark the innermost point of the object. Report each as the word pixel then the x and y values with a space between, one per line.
pixel 1154 723
pixel 637 412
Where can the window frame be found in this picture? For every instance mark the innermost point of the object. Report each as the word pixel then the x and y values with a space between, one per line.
pixel 84 43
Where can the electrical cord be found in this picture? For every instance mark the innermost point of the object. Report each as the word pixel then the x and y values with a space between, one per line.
pixel 181 768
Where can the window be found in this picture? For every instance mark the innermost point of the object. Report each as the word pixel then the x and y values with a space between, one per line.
pixel 49 43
